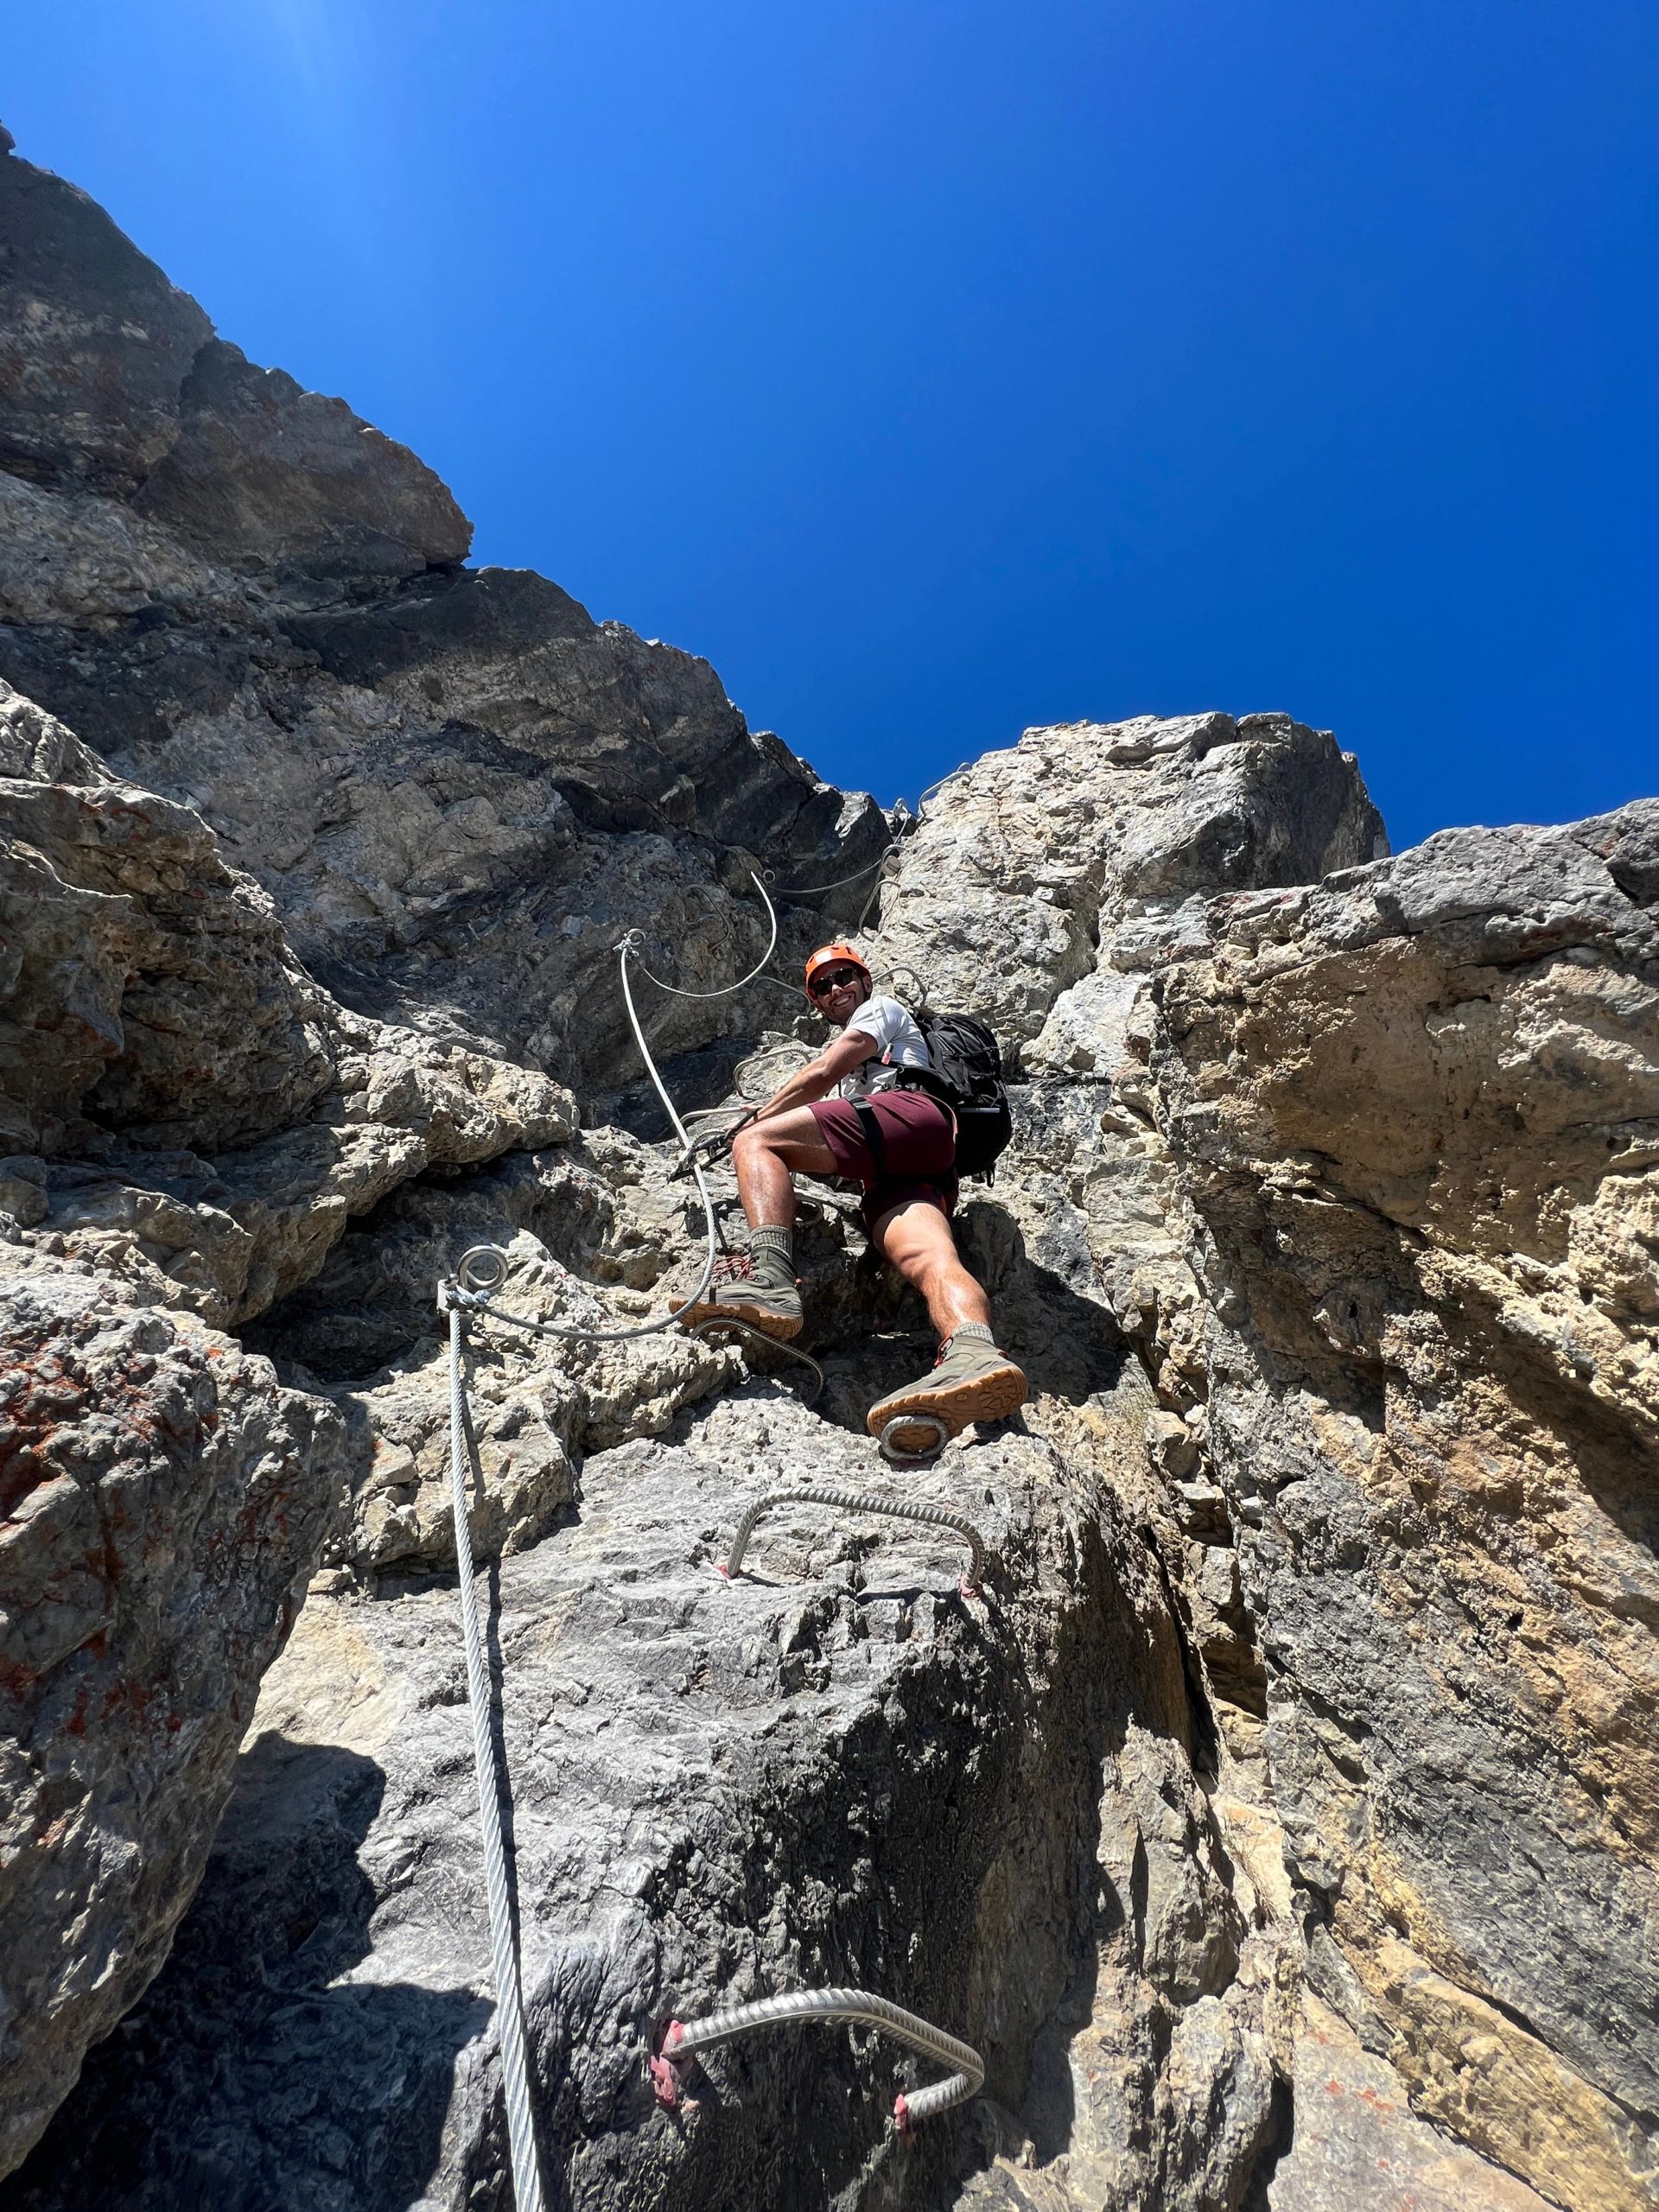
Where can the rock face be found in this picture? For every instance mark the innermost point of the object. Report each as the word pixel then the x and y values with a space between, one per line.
pixel 1278 1817
pixel 1419 1105
pixel 162 1498
pixel 191 1118
pixel 456 787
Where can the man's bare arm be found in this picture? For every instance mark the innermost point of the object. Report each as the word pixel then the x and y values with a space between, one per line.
pixel 819 1076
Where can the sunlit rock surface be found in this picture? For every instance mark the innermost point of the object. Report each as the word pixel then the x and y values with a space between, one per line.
pixel 1277 1815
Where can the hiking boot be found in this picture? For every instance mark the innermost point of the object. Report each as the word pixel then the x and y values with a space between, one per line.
pixel 971 1380
pixel 745 1288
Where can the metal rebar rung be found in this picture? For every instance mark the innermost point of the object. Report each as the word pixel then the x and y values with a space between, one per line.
pixel 701 1329
pixel 854 1501
pixel 894 1453
pixel 857 2007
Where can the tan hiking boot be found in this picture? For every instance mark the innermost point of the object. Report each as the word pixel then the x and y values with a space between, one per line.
pixel 745 1287
pixel 970 1381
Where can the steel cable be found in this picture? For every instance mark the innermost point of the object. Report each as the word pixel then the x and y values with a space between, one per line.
pixel 635 939
pixel 491 1787
pixel 485 1266
pixel 806 890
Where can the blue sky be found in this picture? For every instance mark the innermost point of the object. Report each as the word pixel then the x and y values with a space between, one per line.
pixel 937 368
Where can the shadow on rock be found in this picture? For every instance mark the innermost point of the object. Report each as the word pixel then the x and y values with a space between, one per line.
pixel 249 2079
pixel 1071 1348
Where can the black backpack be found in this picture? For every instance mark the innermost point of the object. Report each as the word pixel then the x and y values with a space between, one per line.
pixel 967 1076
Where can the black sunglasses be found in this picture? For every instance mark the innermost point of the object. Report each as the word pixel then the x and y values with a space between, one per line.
pixel 832 979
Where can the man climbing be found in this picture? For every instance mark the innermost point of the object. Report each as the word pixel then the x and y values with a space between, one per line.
pixel 901 1145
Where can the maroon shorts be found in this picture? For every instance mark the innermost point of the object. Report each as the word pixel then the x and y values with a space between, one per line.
pixel 919 1145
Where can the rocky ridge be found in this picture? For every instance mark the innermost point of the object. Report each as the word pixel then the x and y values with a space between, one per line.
pixel 1277 1818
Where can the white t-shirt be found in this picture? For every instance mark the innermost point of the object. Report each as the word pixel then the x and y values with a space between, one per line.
pixel 900 1044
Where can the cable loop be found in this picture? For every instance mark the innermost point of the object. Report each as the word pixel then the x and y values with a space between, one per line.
pixel 484 1267
pixel 725 988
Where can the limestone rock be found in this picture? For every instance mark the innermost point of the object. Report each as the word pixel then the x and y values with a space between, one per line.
pixel 76 559
pixel 249 603
pixel 709 1804
pixel 94 342
pixel 461 798
pixel 1039 865
pixel 275 478
pixel 1417 1102
pixel 1358 2143
pixel 161 1497
pixel 150 989
pixel 201 1117
pixel 1280 1818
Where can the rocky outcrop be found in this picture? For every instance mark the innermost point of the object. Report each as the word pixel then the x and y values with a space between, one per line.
pixel 163 1501
pixel 1277 1816
pixel 1418 1108
pixel 1086 847
pixel 253 604
pixel 188 1108
pixel 839 1769
pixel 455 787
pixel 1374 1190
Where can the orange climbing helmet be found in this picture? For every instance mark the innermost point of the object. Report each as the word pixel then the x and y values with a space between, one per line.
pixel 827 954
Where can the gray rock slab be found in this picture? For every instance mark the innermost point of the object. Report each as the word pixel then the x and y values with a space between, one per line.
pixel 162 1501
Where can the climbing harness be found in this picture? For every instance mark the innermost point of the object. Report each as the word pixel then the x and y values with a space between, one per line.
pixel 853 1501
pixel 773 1343
pixel 680 2044
pixel 492 1785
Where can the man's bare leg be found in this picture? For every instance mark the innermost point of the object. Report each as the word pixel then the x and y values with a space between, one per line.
pixel 758 1286
pixel 767 1154
pixel 917 1238
pixel 971 1380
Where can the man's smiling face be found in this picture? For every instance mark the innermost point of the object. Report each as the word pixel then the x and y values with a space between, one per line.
pixel 838 992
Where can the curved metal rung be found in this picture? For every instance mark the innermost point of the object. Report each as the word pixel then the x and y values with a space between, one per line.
pixel 896 1456
pixel 852 1501
pixel 773 1344
pixel 680 2044
pixel 903 968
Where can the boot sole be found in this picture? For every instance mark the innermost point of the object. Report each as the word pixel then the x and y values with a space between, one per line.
pixel 779 1326
pixel 982 1398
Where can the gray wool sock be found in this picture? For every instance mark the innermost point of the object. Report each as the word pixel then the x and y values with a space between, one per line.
pixel 978 1330
pixel 773 1250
